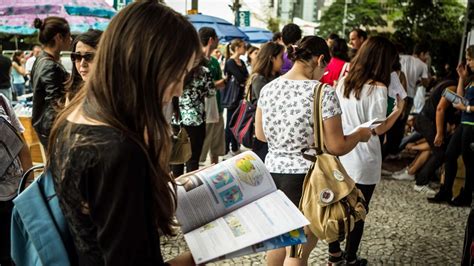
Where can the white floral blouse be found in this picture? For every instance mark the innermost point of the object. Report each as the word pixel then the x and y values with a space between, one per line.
pixel 287 119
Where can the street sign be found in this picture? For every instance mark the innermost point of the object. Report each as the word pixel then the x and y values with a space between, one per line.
pixel 243 19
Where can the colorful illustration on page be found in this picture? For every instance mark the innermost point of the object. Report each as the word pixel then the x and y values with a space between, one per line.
pixel 222 179
pixel 247 171
pixel 231 196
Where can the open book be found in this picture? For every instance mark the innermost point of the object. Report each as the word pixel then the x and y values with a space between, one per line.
pixel 233 209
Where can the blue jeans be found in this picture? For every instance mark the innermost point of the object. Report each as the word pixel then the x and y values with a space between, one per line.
pixel 19 89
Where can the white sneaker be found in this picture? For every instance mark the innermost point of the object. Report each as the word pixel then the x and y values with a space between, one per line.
pixel 237 152
pixel 399 172
pixel 386 172
pixel 403 176
pixel 227 156
pixel 425 190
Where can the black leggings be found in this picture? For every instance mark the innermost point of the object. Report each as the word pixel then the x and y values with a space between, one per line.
pixel 291 185
pixel 229 137
pixel 196 134
pixel 460 144
pixel 355 236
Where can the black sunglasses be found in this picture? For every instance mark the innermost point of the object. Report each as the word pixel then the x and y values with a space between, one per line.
pixel 88 57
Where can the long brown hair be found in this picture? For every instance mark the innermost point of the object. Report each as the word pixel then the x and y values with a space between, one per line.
pixel 264 63
pixel 373 63
pixel 137 59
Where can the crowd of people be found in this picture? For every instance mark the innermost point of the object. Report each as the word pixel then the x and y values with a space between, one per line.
pixel 106 128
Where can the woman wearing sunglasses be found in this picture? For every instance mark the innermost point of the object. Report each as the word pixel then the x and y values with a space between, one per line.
pixel 84 48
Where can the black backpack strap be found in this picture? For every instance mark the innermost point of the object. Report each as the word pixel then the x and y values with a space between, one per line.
pixel 24 178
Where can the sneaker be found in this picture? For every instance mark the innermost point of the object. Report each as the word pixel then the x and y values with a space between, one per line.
pixel 227 156
pixel 462 200
pixel 425 189
pixel 440 197
pixel 399 172
pixel 404 176
pixel 237 152
pixel 386 172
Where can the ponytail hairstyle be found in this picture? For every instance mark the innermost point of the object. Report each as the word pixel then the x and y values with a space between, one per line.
pixel 230 48
pixel 374 62
pixel 308 47
pixel 49 27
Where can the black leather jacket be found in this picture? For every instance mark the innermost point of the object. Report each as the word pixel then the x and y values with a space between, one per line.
pixel 47 80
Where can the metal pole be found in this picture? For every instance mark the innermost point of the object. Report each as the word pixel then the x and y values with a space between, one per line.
pixel 344 20
pixel 236 10
pixel 194 4
pixel 16 42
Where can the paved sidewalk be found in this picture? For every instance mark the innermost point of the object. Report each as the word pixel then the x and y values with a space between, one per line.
pixel 402 228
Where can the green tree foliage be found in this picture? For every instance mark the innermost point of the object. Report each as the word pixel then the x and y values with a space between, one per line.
pixel 438 23
pixel 273 24
pixel 360 13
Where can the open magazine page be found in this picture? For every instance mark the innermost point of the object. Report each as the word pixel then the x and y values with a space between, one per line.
pixel 291 238
pixel 263 219
pixel 220 189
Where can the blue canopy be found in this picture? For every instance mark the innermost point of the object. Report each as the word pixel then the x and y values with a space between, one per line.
pixel 224 29
pixel 257 35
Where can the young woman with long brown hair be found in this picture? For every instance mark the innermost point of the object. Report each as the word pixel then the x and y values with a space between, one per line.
pixel 267 66
pixel 110 147
pixel 363 96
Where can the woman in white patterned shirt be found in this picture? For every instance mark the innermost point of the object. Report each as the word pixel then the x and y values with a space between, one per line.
pixel 284 120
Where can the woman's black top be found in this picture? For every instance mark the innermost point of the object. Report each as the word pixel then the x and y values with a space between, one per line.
pixel 47 80
pixel 103 185
pixel 240 74
pixel 431 104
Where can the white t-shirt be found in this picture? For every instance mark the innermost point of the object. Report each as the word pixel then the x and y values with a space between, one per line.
pixel 287 119
pixel 364 162
pixel 414 69
pixel 29 63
